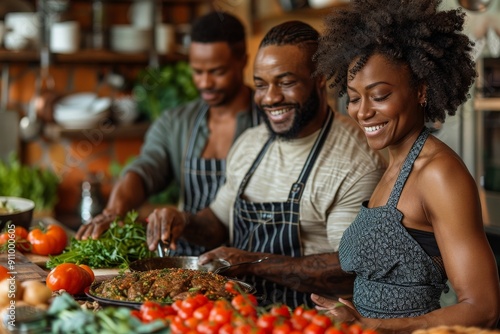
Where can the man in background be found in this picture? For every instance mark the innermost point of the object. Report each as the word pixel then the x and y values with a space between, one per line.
pixel 189 144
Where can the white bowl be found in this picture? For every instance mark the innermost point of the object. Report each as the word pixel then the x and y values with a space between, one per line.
pixel 78 99
pixel 82 122
pixel 78 110
pixel 127 38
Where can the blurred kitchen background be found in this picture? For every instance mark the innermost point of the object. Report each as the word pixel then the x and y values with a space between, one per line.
pixel 82 80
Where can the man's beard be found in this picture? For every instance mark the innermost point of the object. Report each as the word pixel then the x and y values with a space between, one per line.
pixel 303 116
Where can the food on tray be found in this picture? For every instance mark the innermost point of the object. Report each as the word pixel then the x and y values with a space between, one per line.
pixel 162 285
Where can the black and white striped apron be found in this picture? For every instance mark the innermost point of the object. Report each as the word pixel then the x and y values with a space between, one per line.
pixel 202 180
pixel 274 227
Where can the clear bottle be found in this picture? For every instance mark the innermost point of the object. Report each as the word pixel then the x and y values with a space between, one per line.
pixel 92 202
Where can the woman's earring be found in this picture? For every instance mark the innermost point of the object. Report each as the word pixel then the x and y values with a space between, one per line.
pixel 424 104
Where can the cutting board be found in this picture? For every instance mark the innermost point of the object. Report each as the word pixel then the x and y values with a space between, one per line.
pixel 23 268
pixel 100 274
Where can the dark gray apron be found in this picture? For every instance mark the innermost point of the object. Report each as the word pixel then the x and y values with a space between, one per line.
pixel 274 227
pixel 202 180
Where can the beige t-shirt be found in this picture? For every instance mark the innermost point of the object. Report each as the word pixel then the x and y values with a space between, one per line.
pixel 344 175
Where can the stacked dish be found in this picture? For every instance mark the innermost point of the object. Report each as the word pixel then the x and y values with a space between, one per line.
pixel 82 111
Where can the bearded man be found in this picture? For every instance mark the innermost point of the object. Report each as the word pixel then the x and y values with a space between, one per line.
pixel 294 183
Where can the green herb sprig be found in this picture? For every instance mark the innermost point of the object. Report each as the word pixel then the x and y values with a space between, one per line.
pixel 122 243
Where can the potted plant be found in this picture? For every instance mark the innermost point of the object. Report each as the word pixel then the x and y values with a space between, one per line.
pixel 157 89
pixel 32 182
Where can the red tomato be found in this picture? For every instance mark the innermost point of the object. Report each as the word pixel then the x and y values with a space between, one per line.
pixel 333 330
pixel 89 270
pixel 208 327
pixel 70 277
pixel 151 311
pixel 284 328
pixel 298 310
pixel 355 329
pixel 226 329
pixel 169 310
pixel 240 301
pixel 202 312
pixel 220 315
pixel 280 311
pixel 50 240
pixel 267 322
pixel 231 287
pixel 191 323
pixel 309 314
pixel 313 329
pixel 299 322
pixel 178 327
pixel 19 234
pixel 136 313
pixel 4 273
pixel 322 320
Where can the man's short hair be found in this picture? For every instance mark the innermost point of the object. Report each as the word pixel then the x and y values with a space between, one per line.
pixel 219 26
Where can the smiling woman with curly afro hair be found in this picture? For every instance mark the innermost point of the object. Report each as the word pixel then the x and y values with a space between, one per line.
pixel 410 31
pixel 403 63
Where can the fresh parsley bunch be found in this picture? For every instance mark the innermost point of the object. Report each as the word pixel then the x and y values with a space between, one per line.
pixel 121 244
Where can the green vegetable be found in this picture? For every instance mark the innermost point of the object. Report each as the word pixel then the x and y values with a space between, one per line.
pixel 116 247
pixel 35 183
pixel 162 88
pixel 67 316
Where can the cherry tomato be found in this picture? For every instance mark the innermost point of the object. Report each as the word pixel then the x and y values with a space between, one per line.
pixel 202 312
pixel 4 273
pixel 220 315
pixel 355 329
pixel 333 330
pixel 322 320
pixel 226 329
pixel 299 322
pixel 309 314
pixel 70 277
pixel 280 311
pixel 313 329
pixel 49 240
pixel 240 301
pixel 284 328
pixel 208 327
pixel 191 323
pixel 267 322
pixel 231 287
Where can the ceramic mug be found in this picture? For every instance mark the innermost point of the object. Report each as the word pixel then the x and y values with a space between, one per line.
pixel 65 37
pixel 140 13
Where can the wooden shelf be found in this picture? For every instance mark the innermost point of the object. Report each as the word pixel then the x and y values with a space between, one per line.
pixel 55 132
pixel 87 57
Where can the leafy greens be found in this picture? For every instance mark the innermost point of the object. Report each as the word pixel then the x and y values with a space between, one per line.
pixel 122 243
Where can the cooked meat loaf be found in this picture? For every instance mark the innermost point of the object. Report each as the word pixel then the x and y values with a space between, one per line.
pixel 162 285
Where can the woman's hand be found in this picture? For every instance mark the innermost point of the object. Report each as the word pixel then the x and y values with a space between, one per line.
pixel 340 310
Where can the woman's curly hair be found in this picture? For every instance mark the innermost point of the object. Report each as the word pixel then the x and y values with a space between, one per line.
pixel 411 32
